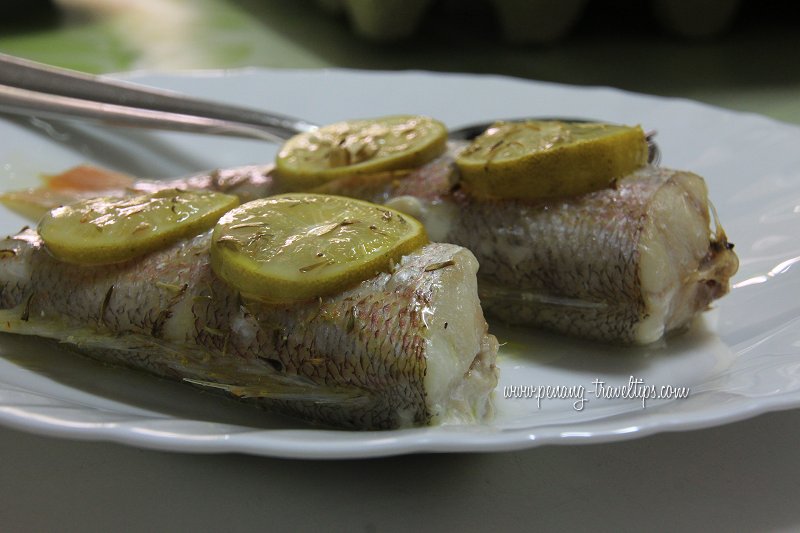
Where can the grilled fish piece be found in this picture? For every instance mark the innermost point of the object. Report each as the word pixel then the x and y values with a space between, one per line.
pixel 406 348
pixel 624 265
pixel 627 264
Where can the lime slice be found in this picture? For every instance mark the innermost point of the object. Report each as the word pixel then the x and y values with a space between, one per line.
pixel 358 147
pixel 295 247
pixel 110 230
pixel 541 159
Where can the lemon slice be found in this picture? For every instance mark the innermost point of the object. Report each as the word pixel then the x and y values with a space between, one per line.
pixel 540 159
pixel 299 246
pixel 358 147
pixel 110 230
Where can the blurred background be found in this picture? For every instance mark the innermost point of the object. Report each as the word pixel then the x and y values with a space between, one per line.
pixel 737 54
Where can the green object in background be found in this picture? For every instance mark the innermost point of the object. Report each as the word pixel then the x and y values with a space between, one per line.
pixel 46 32
pixel 74 48
pixel 100 36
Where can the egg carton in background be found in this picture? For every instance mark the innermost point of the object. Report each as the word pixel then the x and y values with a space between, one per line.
pixel 529 21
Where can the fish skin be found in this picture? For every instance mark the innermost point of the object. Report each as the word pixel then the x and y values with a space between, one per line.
pixel 357 360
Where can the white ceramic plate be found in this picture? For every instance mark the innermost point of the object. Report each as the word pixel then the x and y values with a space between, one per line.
pixel 741 359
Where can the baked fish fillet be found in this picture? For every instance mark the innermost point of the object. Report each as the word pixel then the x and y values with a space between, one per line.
pixel 625 265
pixel 406 348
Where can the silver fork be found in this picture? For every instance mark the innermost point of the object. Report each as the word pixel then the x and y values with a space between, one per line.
pixel 32 89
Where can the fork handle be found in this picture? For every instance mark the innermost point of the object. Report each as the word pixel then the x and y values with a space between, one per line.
pixel 32 76
pixel 30 103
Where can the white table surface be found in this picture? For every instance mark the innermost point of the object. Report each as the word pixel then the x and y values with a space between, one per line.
pixel 739 477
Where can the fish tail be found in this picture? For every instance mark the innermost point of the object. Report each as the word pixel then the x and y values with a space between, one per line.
pixel 88 178
pixel 65 188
